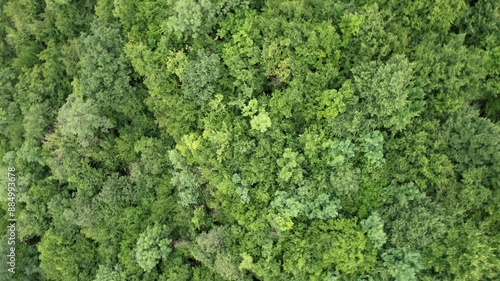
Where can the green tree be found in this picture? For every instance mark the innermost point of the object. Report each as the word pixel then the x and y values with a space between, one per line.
pixel 402 264
pixel 67 255
pixel 385 90
pixel 199 81
pixel 81 120
pixel 374 227
pixel 153 245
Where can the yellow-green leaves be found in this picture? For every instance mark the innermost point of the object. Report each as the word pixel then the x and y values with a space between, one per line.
pixel 176 62
pixel 330 101
pixel 350 25
pixel 290 166
pixel 251 108
pixel 261 122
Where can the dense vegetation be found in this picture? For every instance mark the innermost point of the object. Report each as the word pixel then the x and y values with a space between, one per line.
pixel 251 140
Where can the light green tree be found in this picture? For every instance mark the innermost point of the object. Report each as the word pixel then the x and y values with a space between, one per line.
pixel 152 246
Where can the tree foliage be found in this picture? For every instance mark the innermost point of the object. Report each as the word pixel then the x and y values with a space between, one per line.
pixel 251 140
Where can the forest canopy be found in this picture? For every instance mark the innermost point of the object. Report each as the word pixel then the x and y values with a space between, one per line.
pixel 250 140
